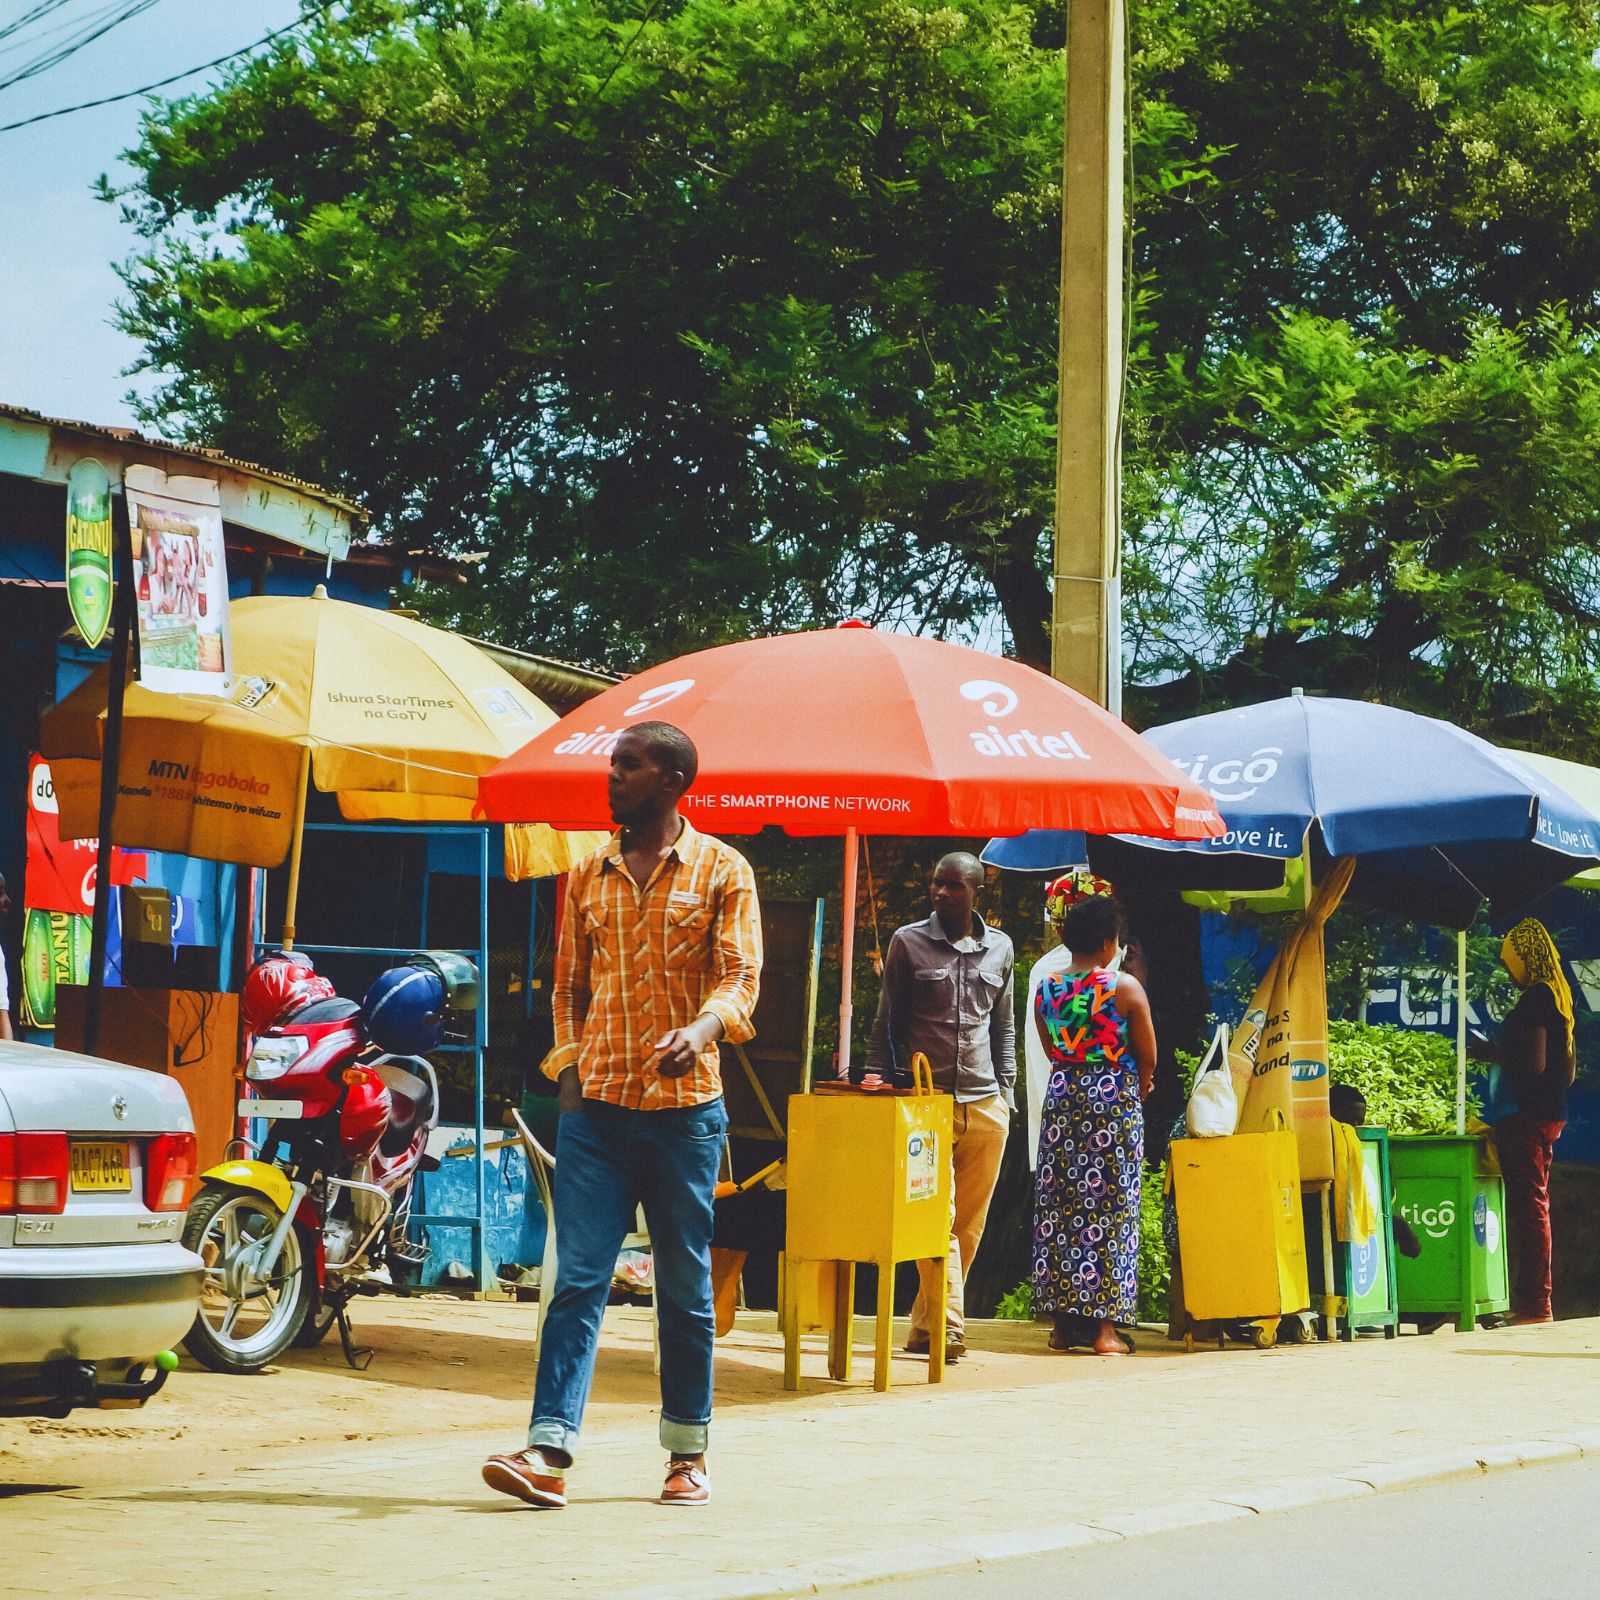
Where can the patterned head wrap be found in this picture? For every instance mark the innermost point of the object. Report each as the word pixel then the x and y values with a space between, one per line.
pixel 1071 887
pixel 1530 956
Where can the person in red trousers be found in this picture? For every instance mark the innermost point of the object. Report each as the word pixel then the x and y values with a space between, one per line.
pixel 1537 1066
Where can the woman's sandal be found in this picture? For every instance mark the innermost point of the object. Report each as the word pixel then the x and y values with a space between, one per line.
pixel 1062 1343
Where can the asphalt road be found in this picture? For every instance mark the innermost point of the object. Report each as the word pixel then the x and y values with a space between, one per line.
pixel 1531 1531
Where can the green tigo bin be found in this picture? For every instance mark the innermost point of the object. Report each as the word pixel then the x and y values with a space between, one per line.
pixel 1364 1271
pixel 1443 1187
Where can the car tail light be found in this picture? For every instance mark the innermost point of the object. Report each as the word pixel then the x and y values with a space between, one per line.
pixel 33 1174
pixel 169 1172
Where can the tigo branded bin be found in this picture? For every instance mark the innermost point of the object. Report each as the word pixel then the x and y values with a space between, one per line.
pixel 869 1180
pixel 1239 1231
pixel 1444 1188
pixel 1363 1270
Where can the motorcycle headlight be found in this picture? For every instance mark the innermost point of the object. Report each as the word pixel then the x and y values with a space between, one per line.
pixel 271 1058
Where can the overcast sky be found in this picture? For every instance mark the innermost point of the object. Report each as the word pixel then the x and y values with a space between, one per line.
pixel 59 353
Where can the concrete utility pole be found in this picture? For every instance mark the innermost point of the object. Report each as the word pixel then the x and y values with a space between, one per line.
pixel 1086 625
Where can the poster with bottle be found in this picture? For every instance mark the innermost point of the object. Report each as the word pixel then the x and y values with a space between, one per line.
pixel 180 576
pixel 88 561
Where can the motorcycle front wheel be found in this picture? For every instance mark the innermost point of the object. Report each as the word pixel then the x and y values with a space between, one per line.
pixel 245 1318
pixel 316 1327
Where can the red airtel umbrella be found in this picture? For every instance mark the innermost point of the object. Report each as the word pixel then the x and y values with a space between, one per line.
pixel 850 731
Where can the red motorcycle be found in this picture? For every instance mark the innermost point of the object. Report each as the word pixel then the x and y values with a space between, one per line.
pixel 317 1212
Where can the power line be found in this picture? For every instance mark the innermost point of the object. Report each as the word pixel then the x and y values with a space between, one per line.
pixel 43 9
pixel 28 41
pixel 162 83
pixel 97 26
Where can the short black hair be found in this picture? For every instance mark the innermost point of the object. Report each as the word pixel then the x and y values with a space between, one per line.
pixel 1090 924
pixel 967 864
pixel 1346 1103
pixel 669 747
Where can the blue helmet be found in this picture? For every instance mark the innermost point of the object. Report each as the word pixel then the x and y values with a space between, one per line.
pixel 403 1011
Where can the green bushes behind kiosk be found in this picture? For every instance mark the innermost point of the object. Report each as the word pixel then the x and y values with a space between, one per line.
pixel 1408 1078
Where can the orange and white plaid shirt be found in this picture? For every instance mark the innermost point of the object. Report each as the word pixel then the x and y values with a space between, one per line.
pixel 633 963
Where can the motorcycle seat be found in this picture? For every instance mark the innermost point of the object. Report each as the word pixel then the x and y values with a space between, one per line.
pixel 410 1104
pixel 334 1010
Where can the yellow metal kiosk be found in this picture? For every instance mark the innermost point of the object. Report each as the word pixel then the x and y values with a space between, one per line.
pixel 1239 1230
pixel 869 1181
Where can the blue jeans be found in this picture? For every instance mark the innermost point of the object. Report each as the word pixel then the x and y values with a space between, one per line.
pixel 609 1161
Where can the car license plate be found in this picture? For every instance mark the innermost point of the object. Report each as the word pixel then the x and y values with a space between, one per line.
pixel 100 1166
pixel 273 1110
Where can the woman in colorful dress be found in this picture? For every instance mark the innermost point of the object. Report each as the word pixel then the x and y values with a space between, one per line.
pixel 1060 893
pixel 1095 1026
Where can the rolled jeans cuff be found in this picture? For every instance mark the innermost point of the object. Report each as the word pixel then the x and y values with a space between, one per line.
pixel 551 1433
pixel 684 1438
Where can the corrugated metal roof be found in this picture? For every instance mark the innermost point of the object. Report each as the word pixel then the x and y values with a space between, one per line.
pixel 313 491
pixel 561 684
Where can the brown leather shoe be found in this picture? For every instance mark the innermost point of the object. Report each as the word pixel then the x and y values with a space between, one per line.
pixel 526 1475
pixel 686 1485
pixel 917 1345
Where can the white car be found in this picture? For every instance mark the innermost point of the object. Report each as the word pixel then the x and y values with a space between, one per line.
pixel 97 1163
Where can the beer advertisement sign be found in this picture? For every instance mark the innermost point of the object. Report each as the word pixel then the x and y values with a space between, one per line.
pixel 88 563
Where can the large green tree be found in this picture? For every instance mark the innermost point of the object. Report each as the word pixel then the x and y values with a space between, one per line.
pixel 698 316
pixel 1365 437
pixel 695 317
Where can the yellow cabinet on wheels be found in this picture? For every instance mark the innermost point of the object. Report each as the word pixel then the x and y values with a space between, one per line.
pixel 1241 1240
pixel 868 1181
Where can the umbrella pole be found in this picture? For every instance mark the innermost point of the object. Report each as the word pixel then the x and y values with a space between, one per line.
pixel 1461 1031
pixel 296 846
pixel 110 766
pixel 847 948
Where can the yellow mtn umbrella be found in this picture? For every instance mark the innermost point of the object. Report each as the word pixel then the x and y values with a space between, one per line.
pixel 394 718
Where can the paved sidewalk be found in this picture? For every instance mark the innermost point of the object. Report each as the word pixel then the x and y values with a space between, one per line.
pixel 314 1481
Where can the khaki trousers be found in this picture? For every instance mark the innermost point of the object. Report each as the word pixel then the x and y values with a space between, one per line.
pixel 980 1130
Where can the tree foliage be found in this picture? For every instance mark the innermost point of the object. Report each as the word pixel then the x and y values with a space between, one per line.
pixel 1366 432
pixel 698 318
pixel 707 316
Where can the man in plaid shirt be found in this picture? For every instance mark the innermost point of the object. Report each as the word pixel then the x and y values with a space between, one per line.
pixel 659 958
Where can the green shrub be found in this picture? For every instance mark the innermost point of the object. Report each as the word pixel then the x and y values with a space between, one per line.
pixel 1408 1079
pixel 1017 1305
pixel 1155 1270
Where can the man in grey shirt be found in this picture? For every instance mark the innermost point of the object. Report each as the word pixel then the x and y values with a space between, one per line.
pixel 947 994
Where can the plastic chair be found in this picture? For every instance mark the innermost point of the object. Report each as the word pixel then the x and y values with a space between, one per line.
pixel 541 1168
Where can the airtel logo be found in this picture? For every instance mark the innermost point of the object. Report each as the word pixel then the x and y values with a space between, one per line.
pixel 652 699
pixel 602 741
pixel 1226 780
pixel 998 700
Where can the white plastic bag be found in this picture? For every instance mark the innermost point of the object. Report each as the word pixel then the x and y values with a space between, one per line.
pixel 1213 1107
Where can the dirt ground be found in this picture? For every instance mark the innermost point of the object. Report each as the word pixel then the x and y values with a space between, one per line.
pixel 440 1365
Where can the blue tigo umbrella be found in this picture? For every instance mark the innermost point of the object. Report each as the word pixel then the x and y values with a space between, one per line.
pixel 1438 818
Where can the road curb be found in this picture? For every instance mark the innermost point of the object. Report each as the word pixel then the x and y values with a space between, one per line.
pixel 959 1554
